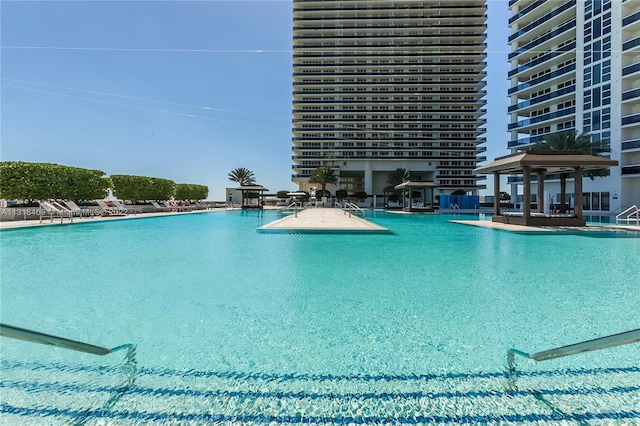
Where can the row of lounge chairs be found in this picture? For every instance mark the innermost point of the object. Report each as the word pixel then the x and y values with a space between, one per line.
pixel 69 209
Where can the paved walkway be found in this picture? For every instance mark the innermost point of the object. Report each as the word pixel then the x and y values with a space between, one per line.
pixel 323 219
pixel 545 229
pixel 11 224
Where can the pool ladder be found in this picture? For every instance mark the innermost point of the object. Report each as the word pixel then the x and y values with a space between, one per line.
pixel 61 342
pixel 632 336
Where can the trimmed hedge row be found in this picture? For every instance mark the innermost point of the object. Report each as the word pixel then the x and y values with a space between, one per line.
pixel 37 181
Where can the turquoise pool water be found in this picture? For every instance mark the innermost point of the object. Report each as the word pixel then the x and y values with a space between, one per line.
pixel 232 325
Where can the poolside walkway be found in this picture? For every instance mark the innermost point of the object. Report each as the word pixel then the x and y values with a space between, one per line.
pixel 544 229
pixel 323 219
pixel 13 224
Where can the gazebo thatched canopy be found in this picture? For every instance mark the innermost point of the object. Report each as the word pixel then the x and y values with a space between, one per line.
pixel 542 163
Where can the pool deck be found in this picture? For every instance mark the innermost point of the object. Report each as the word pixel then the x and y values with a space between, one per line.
pixel 544 229
pixel 16 224
pixel 323 219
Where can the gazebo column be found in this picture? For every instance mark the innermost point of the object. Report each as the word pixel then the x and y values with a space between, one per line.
pixel 496 194
pixel 541 199
pixel 526 171
pixel 577 204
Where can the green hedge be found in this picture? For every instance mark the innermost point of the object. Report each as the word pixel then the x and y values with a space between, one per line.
pixel 190 191
pixel 139 188
pixel 38 181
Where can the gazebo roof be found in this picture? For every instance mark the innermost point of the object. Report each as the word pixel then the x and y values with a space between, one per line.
pixel 417 184
pixel 251 188
pixel 548 161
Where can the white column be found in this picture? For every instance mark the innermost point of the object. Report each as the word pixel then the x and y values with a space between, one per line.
pixel 368 178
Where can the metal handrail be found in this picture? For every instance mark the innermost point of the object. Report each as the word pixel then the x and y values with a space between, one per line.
pixel 349 207
pixel 61 342
pixel 634 211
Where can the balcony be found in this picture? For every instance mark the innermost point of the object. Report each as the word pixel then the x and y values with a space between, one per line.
pixel 545 117
pixel 541 79
pixel 635 144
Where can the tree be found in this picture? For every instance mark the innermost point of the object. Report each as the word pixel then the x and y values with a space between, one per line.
pixel 571 141
pixel 242 176
pixel 324 176
pixel 398 176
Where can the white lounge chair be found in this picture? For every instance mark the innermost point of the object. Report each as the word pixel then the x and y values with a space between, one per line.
pixel 120 205
pixel 76 210
pixel 159 208
pixel 108 210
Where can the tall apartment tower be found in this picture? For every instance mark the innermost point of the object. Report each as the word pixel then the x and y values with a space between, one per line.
pixel 575 65
pixel 380 85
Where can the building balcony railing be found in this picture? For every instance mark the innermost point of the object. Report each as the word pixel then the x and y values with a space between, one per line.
pixel 631 44
pixel 630 94
pixel 389 53
pixel 630 170
pixel 541 79
pixel 631 69
pixel 553 34
pixel 525 141
pixel 634 144
pixel 631 19
pixel 526 10
pixel 544 117
pixel 631 119
pixel 542 20
pixel 390 92
pixel 568 48
pixel 539 99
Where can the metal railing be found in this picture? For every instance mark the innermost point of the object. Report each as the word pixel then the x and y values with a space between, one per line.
pixel 630 212
pixel 612 340
pixel 61 342
pixel 351 208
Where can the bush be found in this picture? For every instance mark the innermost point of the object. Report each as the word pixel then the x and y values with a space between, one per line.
pixel 38 181
pixel 341 194
pixel 134 188
pixel 190 191
pixel 360 195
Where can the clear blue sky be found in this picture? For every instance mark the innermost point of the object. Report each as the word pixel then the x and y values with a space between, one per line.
pixel 183 90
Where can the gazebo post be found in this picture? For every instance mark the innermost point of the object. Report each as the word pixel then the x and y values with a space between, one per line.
pixel 577 183
pixel 526 170
pixel 496 194
pixel 540 191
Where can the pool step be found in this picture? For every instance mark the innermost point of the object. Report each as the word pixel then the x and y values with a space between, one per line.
pixel 60 394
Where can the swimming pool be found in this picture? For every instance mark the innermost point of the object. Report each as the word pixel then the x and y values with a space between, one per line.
pixel 232 325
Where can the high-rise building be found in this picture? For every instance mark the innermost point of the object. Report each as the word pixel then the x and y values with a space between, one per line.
pixel 380 85
pixel 575 66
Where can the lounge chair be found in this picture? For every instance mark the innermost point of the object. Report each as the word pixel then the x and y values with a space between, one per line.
pixel 77 211
pixel 108 210
pixel 174 206
pixel 53 209
pixel 117 204
pixel 159 208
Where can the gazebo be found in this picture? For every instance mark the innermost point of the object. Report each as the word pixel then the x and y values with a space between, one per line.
pixel 422 187
pixel 542 163
pixel 246 201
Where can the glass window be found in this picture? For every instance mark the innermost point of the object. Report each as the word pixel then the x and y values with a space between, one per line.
pixel 597 51
pixel 596 74
pixel 597 28
pixel 604 201
pixel 595 201
pixel 596 97
pixel 586 201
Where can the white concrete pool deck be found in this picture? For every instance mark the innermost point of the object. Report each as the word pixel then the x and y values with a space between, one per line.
pixel 323 219
pixel 544 229
pixel 11 224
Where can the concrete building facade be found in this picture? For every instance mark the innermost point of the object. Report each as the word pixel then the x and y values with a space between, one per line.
pixel 575 65
pixel 380 85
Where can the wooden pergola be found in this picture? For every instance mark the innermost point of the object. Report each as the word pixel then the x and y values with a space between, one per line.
pixel 246 202
pixel 542 163
pixel 421 186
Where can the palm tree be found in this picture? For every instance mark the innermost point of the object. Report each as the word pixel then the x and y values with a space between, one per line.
pixel 323 175
pixel 395 178
pixel 242 176
pixel 398 176
pixel 571 141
